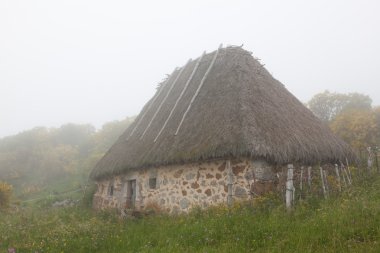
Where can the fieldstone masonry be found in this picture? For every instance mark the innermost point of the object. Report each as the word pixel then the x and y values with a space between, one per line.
pixel 180 187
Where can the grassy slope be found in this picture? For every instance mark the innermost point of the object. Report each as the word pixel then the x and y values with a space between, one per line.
pixel 349 223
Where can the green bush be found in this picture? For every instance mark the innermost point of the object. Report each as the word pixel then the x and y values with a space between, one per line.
pixel 5 194
pixel 88 196
pixel 345 223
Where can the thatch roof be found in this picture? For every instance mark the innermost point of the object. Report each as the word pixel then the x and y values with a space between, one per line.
pixel 237 110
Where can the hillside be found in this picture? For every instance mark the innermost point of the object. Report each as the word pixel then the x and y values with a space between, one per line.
pixel 42 161
pixel 348 223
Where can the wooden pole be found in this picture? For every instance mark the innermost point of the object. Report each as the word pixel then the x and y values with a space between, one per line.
pixel 376 160
pixel 349 171
pixel 199 87
pixel 338 177
pixel 326 182
pixel 309 176
pixel 323 182
pixel 342 172
pixel 230 181
pixel 163 100
pixel 301 179
pixel 180 95
pixel 369 160
pixel 289 188
pixel 347 176
pixel 301 182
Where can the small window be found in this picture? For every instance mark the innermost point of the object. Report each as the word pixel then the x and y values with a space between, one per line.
pixel 152 183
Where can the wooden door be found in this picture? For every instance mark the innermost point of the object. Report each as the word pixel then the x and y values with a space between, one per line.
pixel 131 194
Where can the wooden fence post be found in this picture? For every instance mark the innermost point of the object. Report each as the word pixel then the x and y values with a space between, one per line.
pixel 347 175
pixel 369 160
pixel 344 178
pixel 338 177
pixel 349 171
pixel 326 182
pixel 323 182
pixel 289 187
pixel 309 176
pixel 301 182
pixel 230 182
pixel 376 160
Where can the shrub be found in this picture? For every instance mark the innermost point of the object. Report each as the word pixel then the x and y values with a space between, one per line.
pixel 5 194
pixel 88 196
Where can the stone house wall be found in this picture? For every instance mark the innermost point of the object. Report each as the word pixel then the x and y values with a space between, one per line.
pixel 180 187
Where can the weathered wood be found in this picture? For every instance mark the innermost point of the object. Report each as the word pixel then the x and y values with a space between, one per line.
pixel 163 100
pixel 346 174
pixel 301 182
pixel 301 178
pixel 150 105
pixel 309 176
pixel 326 182
pixel 338 177
pixel 180 96
pixel 289 187
pixel 199 88
pixel 230 182
pixel 323 182
pixel 343 176
pixel 370 160
pixel 349 171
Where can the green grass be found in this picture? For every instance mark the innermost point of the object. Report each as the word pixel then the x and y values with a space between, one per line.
pixel 54 187
pixel 348 223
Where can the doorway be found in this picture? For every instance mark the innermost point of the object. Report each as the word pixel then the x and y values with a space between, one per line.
pixel 131 194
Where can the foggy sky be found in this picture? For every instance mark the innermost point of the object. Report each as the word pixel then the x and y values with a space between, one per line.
pixel 88 61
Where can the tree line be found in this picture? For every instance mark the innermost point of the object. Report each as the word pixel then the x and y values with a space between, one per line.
pixel 350 116
pixel 33 159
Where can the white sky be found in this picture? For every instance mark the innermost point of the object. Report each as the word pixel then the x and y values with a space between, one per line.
pixel 88 61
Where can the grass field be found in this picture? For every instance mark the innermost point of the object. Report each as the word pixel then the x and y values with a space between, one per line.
pixel 348 223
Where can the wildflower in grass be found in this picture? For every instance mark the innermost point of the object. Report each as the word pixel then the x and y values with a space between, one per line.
pixel 11 250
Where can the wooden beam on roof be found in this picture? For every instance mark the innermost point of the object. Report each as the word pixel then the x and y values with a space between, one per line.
pixel 163 100
pixel 199 87
pixel 180 96
pixel 150 105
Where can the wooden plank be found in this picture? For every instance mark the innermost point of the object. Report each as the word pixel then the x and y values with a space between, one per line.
pixel 199 87
pixel 230 182
pixel 164 100
pixel 301 178
pixel 343 177
pixel 180 96
pixel 289 187
pixel 150 105
pixel 349 171
pixel 309 176
pixel 326 182
pixel 323 182
pixel 344 170
pixel 338 177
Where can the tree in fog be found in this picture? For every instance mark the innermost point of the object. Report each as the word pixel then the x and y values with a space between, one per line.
pixel 327 105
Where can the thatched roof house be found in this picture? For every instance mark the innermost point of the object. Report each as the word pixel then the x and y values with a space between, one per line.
pixel 222 105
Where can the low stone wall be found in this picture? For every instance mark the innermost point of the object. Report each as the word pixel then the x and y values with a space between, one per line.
pixel 180 187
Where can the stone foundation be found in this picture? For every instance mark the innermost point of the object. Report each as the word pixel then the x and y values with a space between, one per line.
pixel 178 188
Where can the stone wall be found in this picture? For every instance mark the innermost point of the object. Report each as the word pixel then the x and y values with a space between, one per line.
pixel 181 187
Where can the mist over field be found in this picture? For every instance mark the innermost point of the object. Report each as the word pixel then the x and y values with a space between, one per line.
pixel 91 62
pixel 248 169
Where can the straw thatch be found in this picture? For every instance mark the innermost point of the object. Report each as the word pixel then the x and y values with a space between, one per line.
pixel 240 111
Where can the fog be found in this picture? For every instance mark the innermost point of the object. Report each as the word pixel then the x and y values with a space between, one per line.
pixel 93 61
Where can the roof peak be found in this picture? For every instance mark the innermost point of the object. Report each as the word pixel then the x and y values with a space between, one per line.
pixel 223 103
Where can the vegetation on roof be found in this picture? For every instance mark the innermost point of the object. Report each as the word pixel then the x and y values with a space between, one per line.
pixel 240 110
